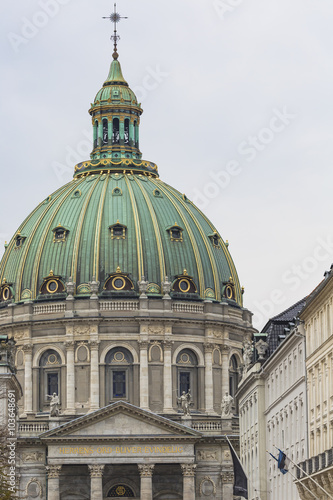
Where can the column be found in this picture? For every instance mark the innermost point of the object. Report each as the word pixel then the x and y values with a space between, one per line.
pixel 167 377
pixel 94 375
pixel 110 130
pixel 188 471
pixel 96 483
pixel 227 478
pixel 146 475
pixel 209 396
pixel 121 129
pixel 225 369
pixel 53 486
pixel 70 379
pixel 27 378
pixel 144 384
pixel 131 132
pixel 100 134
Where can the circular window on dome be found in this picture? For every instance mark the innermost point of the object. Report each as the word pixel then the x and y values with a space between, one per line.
pixel 6 293
pixel 117 192
pixel 184 285
pixel 157 193
pixel 118 283
pixel 52 286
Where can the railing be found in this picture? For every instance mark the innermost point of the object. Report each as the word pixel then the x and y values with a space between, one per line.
pixel 49 308
pixel 187 308
pixel 120 305
pixel 209 426
pixel 33 428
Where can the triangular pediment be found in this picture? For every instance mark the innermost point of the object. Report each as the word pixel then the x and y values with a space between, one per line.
pixel 120 420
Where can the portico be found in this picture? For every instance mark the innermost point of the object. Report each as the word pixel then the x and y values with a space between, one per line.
pixel 121 450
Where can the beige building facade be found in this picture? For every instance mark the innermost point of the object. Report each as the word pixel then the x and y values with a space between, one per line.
pixel 102 444
pixel 317 318
pixel 272 402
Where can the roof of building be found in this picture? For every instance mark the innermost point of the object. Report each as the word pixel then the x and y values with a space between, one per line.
pixel 275 327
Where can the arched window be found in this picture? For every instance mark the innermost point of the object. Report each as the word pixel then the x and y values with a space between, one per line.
pixel 120 491
pixel 126 131
pixel 105 137
pixel 119 375
pixel 49 378
pixel 233 378
pixel 187 375
pixel 115 135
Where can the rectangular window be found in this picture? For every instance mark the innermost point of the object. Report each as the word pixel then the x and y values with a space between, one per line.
pixel 52 383
pixel 119 384
pixel 184 382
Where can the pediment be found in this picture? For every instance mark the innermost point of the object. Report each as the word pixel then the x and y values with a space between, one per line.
pixel 120 420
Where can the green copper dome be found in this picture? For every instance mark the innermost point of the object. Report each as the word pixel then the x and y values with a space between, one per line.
pixel 115 89
pixel 117 223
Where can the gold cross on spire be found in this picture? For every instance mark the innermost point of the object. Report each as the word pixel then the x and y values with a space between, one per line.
pixel 115 18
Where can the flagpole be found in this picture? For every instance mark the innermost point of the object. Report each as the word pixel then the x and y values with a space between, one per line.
pixel 307 475
pixel 235 454
pixel 303 485
pixel 239 461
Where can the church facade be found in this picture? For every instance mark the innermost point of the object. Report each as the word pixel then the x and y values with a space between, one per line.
pixel 127 313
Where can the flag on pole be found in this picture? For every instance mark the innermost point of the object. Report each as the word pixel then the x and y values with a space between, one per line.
pixel 240 479
pixel 283 461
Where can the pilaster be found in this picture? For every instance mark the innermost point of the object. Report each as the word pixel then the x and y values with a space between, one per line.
pixel 146 475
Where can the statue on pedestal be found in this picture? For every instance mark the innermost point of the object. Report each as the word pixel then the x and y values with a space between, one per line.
pixel 185 401
pixel 227 405
pixel 54 405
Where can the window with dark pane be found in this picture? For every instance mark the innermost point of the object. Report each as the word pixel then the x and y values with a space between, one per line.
pixel 115 135
pixel 105 131
pixel 126 131
pixel 120 491
pixel 184 382
pixel 52 383
pixel 119 384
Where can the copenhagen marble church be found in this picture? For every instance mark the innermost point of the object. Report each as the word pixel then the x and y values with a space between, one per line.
pixel 126 311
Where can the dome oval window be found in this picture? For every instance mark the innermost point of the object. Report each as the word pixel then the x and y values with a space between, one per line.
pixel 52 286
pixel 6 291
pixel 118 283
pixel 184 285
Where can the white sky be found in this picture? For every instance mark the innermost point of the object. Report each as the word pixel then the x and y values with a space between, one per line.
pixel 225 70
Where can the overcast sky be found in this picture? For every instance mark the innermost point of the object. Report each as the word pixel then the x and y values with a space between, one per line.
pixel 237 99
